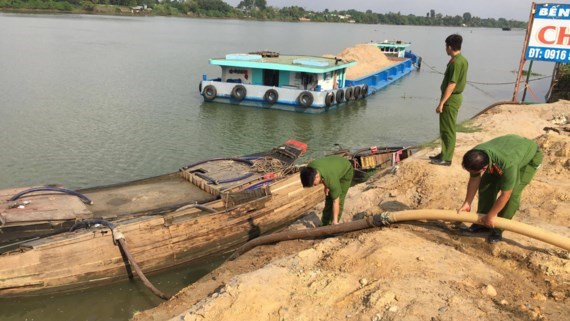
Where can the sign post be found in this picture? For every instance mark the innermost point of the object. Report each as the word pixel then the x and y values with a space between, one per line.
pixel 547 37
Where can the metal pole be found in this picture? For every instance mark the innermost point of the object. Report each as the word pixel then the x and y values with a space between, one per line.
pixel 527 77
pixel 523 60
pixel 553 80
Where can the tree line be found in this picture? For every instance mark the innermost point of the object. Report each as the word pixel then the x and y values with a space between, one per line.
pixel 255 9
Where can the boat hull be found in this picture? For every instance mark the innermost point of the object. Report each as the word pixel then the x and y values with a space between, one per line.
pixel 289 99
pixel 43 213
pixel 86 258
pixel 385 77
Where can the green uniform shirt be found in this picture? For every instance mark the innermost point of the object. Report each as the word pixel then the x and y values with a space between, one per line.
pixel 332 169
pixel 456 72
pixel 507 155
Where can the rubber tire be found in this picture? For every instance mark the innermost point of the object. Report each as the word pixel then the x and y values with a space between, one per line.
pixel 239 92
pixel 348 93
pixel 339 96
pixel 329 99
pixel 356 93
pixel 364 91
pixel 305 99
pixel 200 87
pixel 210 92
pixel 271 96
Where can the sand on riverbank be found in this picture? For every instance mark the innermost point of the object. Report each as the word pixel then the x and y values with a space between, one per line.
pixel 414 271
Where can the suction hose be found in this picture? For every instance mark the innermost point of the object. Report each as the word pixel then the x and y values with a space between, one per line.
pixel 388 218
pixel 119 238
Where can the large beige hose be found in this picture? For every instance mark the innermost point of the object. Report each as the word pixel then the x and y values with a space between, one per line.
pixel 507 225
pixel 402 216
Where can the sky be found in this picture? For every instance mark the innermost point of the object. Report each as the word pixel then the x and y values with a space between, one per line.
pixel 508 9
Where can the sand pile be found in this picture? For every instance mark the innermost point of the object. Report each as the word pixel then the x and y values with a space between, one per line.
pixel 370 60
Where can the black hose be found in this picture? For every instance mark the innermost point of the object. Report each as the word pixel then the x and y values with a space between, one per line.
pixel 120 239
pixel 84 198
pixel 368 222
pixel 235 159
pixel 223 181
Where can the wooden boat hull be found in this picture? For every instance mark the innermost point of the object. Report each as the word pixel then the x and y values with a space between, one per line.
pixel 45 213
pixel 86 258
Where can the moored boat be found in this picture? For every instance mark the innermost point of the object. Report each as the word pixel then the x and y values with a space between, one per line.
pixel 370 159
pixel 308 84
pixel 32 212
pixel 89 257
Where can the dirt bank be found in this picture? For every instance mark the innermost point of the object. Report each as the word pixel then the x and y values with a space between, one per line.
pixel 416 271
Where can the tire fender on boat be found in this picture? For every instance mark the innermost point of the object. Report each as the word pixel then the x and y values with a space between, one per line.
pixel 348 93
pixel 210 92
pixel 239 92
pixel 271 96
pixel 364 91
pixel 329 98
pixel 356 92
pixel 339 96
pixel 200 87
pixel 305 99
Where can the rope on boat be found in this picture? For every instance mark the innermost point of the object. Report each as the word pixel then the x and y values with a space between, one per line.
pixel 84 198
pixel 388 218
pixel 119 239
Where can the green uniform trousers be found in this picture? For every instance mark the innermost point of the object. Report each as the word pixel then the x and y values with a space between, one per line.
pixel 489 189
pixel 447 126
pixel 328 210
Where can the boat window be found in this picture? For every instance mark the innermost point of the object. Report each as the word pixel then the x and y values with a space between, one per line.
pixel 271 77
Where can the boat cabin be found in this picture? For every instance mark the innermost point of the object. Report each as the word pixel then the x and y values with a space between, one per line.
pixel 311 73
pixel 392 49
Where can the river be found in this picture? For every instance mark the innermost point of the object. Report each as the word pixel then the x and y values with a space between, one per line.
pixel 92 100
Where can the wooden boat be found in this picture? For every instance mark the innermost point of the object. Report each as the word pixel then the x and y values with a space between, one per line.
pixel 370 159
pixel 27 213
pixel 87 257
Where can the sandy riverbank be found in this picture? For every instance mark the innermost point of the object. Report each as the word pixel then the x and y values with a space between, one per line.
pixel 416 271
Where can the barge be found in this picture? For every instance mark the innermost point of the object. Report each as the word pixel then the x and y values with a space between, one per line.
pixel 307 84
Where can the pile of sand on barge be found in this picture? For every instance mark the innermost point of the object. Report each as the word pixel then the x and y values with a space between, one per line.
pixel 370 60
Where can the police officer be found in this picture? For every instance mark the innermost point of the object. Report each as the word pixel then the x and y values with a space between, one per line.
pixel 504 166
pixel 452 86
pixel 335 173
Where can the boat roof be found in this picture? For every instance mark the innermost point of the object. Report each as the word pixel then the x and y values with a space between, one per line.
pixel 391 44
pixel 296 63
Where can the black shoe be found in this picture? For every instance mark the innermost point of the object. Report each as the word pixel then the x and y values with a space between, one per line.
pixel 441 162
pixel 435 157
pixel 476 228
pixel 496 236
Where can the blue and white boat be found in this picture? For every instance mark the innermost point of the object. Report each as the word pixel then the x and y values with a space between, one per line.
pixel 308 84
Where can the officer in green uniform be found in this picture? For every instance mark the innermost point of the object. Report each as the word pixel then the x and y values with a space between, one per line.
pixel 335 173
pixel 452 86
pixel 508 163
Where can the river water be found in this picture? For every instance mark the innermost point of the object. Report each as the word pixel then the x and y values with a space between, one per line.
pixel 92 100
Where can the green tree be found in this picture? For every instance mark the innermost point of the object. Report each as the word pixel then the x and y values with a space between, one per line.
pixel 467 17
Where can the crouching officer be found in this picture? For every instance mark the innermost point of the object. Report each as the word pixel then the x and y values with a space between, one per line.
pixel 502 166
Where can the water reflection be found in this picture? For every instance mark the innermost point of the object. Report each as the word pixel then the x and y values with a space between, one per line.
pixel 117 301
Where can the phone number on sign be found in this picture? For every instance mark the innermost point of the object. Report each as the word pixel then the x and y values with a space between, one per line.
pixel 548 54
